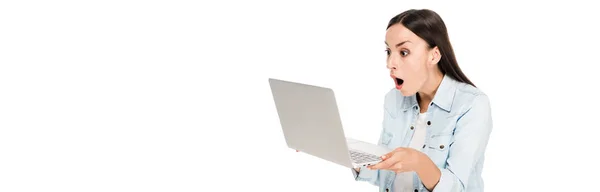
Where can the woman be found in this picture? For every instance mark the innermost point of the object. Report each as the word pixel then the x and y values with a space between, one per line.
pixel 435 119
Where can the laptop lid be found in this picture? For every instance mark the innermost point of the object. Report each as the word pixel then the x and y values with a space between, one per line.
pixel 310 120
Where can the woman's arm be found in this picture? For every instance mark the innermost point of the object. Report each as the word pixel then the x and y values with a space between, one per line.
pixel 428 172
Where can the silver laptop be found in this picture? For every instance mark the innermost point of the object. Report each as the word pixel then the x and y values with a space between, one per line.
pixel 311 123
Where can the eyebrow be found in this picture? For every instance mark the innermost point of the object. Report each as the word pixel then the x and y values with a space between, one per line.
pixel 399 44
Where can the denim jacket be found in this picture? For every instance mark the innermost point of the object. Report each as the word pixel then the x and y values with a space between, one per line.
pixel 459 124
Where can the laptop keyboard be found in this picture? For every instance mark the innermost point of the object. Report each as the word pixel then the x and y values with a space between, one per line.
pixel 361 157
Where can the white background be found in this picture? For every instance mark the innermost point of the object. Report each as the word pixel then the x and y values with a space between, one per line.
pixel 173 95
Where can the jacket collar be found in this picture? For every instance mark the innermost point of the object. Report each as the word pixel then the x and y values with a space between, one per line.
pixel 444 96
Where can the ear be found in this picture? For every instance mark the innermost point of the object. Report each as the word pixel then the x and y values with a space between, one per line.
pixel 435 55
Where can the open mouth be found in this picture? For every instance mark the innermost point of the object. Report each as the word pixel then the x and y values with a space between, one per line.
pixel 398 81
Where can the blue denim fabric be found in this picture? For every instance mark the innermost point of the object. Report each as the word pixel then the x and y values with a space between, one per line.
pixel 457 136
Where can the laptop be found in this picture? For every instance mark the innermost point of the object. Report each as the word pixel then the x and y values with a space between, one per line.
pixel 311 123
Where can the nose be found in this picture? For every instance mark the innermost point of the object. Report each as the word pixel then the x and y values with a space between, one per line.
pixel 392 63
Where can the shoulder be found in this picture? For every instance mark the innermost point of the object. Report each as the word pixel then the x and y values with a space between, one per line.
pixel 468 97
pixel 472 109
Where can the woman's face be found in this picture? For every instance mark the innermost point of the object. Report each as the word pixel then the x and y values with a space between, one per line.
pixel 409 59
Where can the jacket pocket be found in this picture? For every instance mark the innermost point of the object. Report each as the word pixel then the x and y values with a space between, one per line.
pixel 439 145
pixel 440 142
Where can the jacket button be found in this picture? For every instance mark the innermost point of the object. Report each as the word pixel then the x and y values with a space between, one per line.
pixel 441 146
pixel 416 190
pixel 387 190
pixel 412 127
pixel 428 122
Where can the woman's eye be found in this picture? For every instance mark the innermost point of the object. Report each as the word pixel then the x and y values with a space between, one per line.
pixel 387 52
pixel 403 53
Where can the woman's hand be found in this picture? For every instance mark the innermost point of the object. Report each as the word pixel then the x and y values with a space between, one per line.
pixel 400 160
pixel 409 159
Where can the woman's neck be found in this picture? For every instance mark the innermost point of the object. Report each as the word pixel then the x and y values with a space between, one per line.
pixel 427 92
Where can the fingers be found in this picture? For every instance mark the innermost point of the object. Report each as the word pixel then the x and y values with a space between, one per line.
pixel 382 165
pixel 390 164
pixel 391 161
pixel 388 161
pixel 388 155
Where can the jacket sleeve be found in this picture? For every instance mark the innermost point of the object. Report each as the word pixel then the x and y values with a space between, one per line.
pixel 472 132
